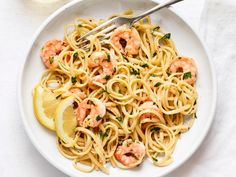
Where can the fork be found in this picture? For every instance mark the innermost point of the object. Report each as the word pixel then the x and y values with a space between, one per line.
pixel 119 21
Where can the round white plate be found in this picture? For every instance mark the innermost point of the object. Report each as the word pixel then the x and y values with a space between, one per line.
pixel 187 42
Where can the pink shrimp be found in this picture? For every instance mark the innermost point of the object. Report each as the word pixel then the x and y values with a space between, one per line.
pixel 78 92
pixel 50 51
pixel 130 153
pixel 96 59
pixel 127 40
pixel 99 78
pixel 187 66
pixel 90 112
pixel 149 105
pixel 101 59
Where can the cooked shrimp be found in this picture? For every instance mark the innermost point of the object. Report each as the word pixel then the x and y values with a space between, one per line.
pixel 90 112
pixel 149 105
pixel 127 40
pixel 130 153
pixel 96 58
pixel 78 92
pixel 50 51
pixel 101 59
pixel 99 78
pixel 185 65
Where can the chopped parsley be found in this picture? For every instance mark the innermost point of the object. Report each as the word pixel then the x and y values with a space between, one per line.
pixel 75 55
pixel 124 57
pixel 154 159
pixel 120 119
pixel 102 135
pixel 98 118
pixel 135 72
pixel 156 129
pixel 153 75
pixel 155 29
pixel 73 80
pixel 187 75
pixel 157 84
pixel 107 77
pixel 145 65
pixel 51 60
pixel 108 57
pixel 165 37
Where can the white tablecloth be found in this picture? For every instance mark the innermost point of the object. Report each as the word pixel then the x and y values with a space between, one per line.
pixel 216 157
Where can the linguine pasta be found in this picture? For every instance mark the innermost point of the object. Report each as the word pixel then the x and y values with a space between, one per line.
pixel 144 100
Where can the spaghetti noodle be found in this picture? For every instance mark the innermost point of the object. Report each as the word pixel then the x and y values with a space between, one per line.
pixel 134 93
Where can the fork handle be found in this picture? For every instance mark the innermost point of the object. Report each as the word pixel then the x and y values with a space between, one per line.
pixel 154 9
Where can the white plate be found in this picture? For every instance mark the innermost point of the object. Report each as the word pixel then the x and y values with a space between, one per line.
pixel 187 42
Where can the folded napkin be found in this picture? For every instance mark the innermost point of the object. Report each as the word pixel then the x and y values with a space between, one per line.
pixel 216 157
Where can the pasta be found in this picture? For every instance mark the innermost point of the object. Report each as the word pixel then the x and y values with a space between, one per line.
pixel 134 94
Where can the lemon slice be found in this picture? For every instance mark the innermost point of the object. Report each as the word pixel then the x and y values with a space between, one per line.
pixel 65 120
pixel 45 104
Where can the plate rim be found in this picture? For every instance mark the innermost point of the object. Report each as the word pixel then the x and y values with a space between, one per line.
pixel 30 46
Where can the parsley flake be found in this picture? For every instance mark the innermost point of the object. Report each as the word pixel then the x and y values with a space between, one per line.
pixel 187 75
pixel 166 36
pixel 134 72
pixel 154 159
pixel 75 55
pixel 162 40
pixel 145 65
pixel 120 119
pixel 155 129
pixel 51 60
pixel 107 77
pixel 157 84
pixel 98 118
pixel 73 80
pixel 102 135
pixel 153 75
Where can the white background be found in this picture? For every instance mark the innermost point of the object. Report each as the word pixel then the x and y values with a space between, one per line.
pixel 18 21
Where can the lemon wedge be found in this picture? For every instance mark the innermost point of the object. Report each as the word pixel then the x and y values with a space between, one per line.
pixel 45 104
pixel 65 120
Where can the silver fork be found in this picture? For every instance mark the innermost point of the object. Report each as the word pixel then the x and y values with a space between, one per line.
pixel 119 21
